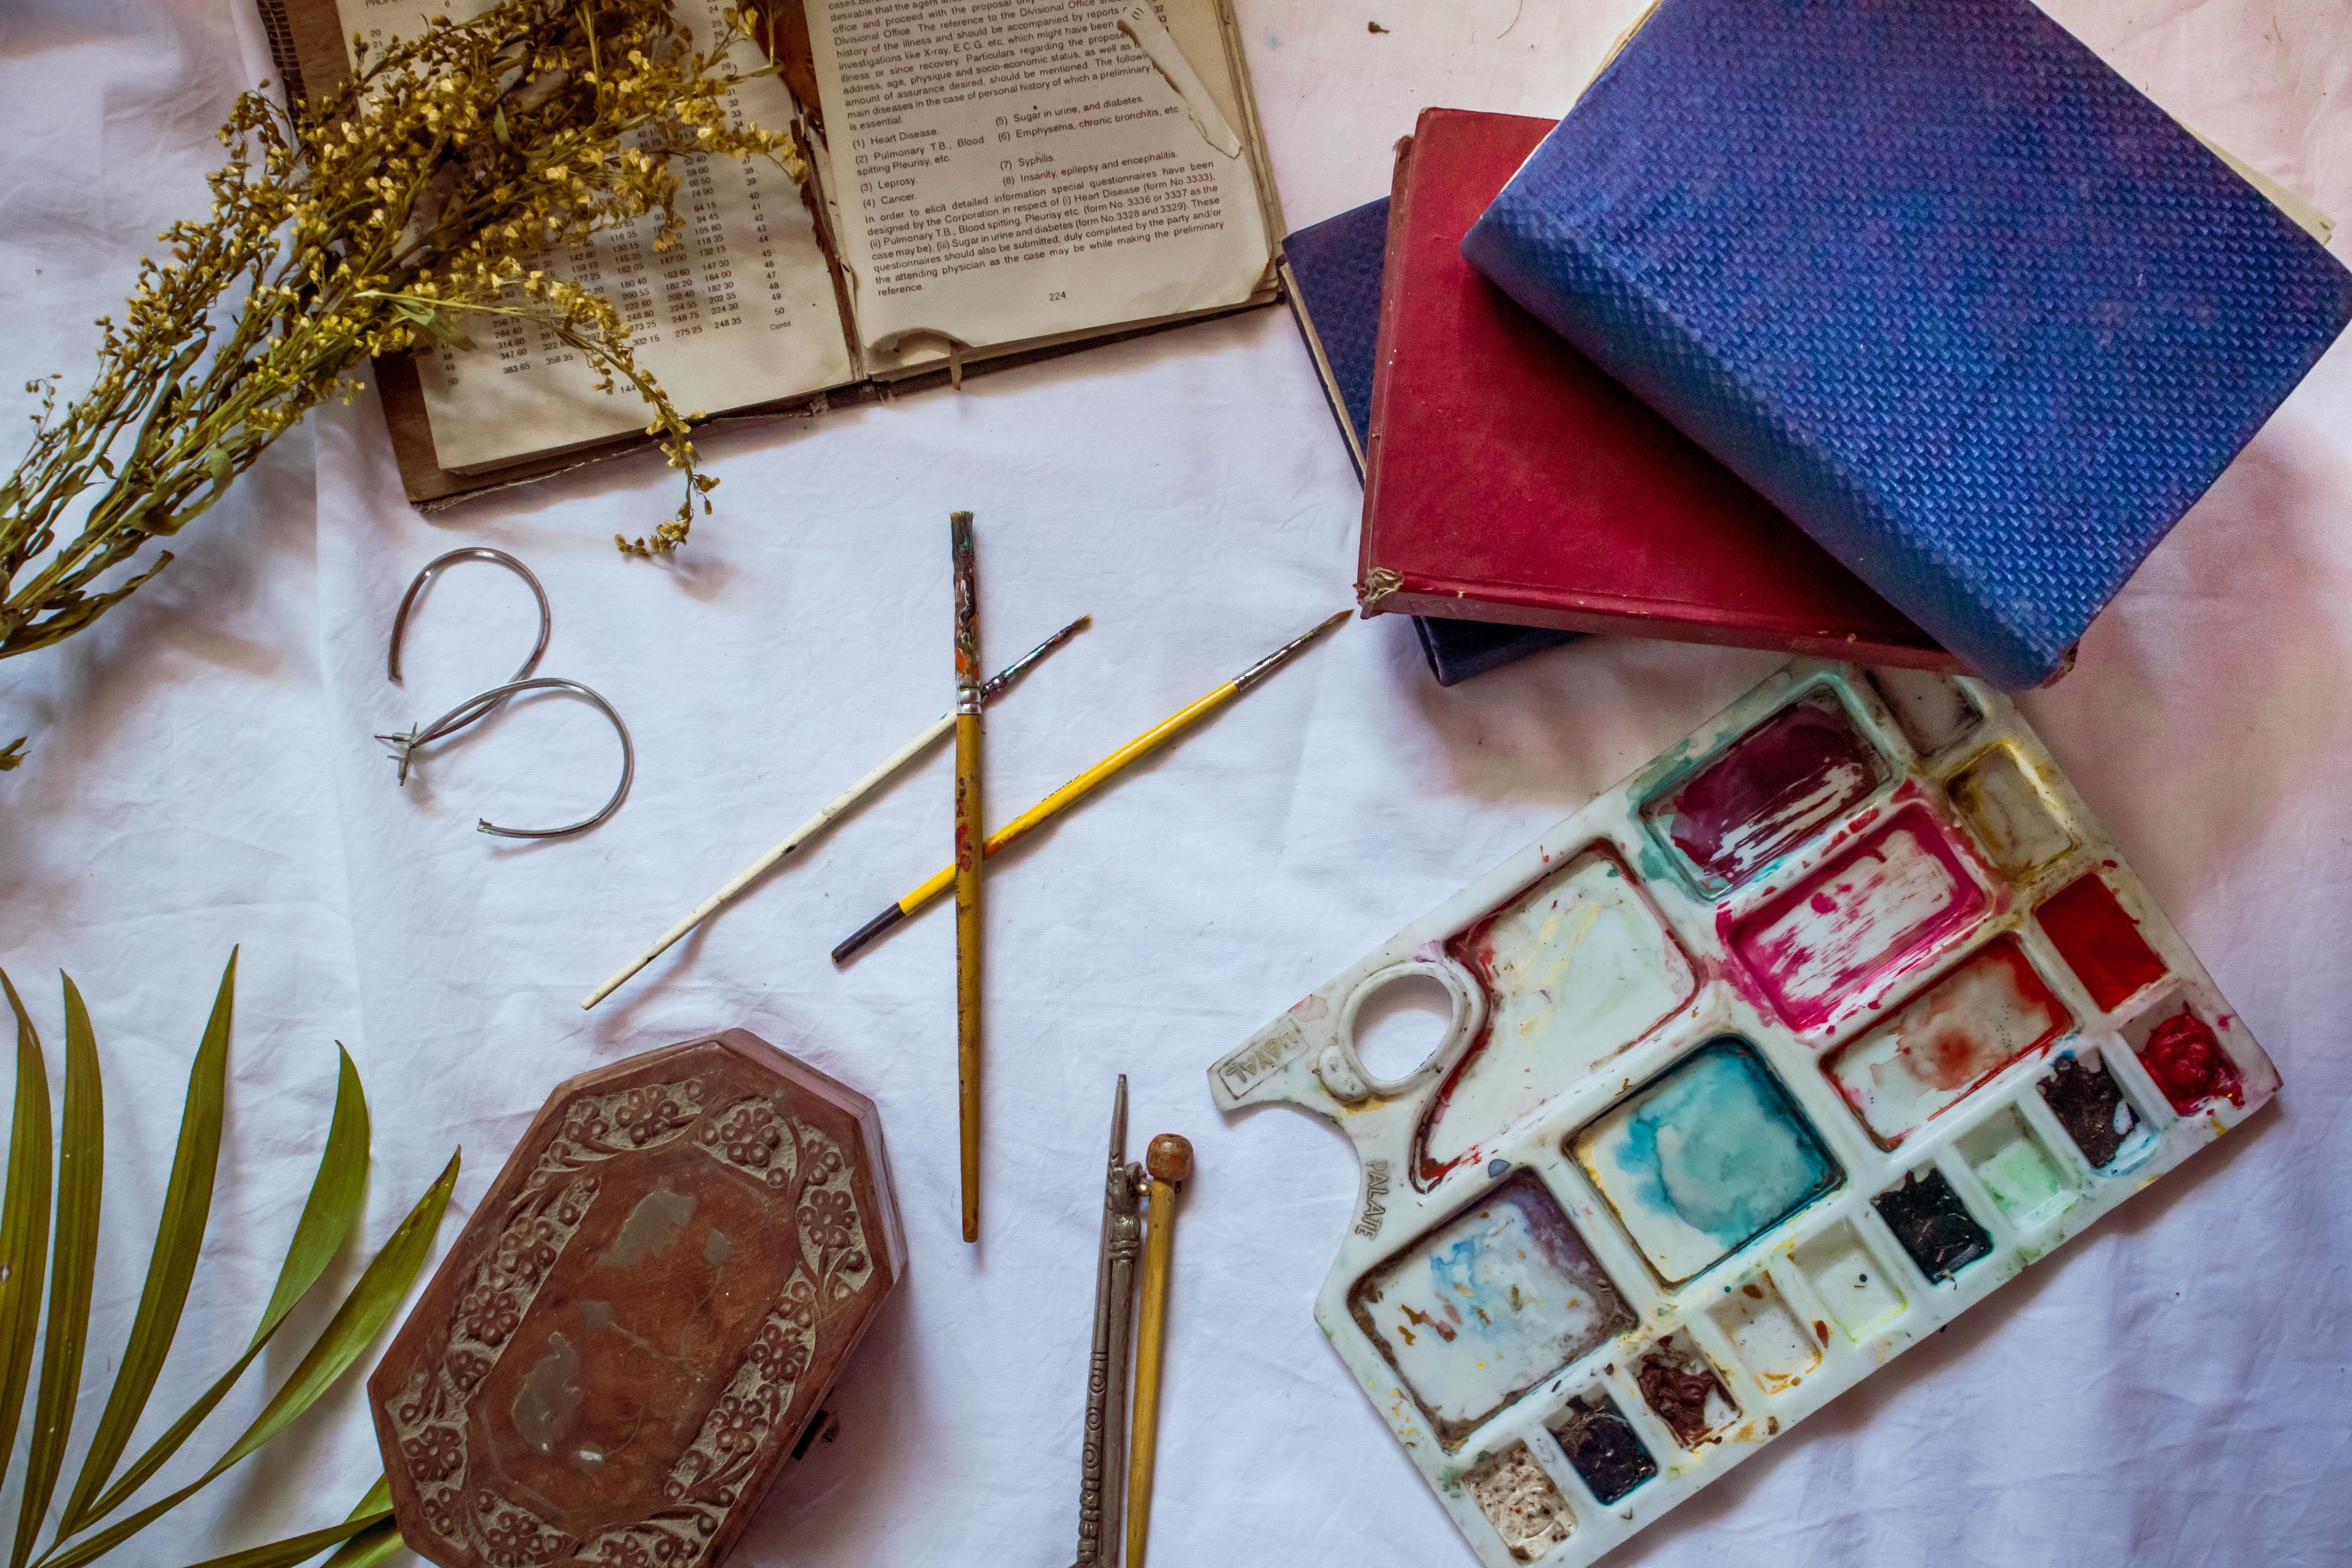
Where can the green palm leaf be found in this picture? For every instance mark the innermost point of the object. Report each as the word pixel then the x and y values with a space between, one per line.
pixel 299 1547
pixel 363 1312
pixel 369 1547
pixel 327 1218
pixel 378 1541
pixel 179 1237
pixel 24 1225
pixel 81 1157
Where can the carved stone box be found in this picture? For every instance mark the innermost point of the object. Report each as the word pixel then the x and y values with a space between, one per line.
pixel 639 1322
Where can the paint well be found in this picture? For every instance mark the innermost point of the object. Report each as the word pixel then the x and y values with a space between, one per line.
pixel 1898 894
pixel 2027 1185
pixel 2018 825
pixel 1930 709
pixel 1575 970
pixel 1858 1291
pixel 1705 1159
pixel 1769 791
pixel 1489 1305
pixel 1520 1500
pixel 1932 1223
pixel 2100 942
pixel 1772 1343
pixel 2185 1058
pixel 2090 1105
pixel 1681 1385
pixel 1608 1456
pixel 1983 1015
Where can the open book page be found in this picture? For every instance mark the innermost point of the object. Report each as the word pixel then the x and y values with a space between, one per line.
pixel 1020 169
pixel 741 309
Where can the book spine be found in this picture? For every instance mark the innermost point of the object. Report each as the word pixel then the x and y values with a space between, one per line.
pixel 1369 590
pixel 1609 317
pixel 278 28
pixel 307 46
pixel 1305 316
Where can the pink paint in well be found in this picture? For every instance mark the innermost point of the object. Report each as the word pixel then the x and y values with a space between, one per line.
pixel 1898 891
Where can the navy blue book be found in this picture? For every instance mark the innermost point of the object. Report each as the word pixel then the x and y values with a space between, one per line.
pixel 1332 272
pixel 1941 286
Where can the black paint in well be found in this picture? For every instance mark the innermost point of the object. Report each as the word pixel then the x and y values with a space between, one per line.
pixel 1602 1446
pixel 1934 1227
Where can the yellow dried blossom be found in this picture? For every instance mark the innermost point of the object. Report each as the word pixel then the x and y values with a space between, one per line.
pixel 367 220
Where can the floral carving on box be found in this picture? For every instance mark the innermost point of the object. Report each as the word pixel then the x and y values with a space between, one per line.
pixel 620 1353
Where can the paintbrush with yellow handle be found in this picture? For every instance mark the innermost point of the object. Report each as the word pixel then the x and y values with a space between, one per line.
pixel 1166 1163
pixel 832 810
pixel 1086 782
pixel 967 835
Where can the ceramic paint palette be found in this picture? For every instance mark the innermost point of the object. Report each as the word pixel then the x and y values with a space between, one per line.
pixel 1761 1068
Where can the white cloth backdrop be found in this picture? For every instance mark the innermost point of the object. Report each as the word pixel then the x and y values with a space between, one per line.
pixel 2170 1389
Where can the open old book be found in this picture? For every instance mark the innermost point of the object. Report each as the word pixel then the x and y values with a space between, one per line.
pixel 992 180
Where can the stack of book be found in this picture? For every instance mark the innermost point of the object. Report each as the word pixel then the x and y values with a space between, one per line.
pixel 1898 334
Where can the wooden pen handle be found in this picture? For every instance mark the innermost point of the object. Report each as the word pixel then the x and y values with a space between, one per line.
pixel 1168 1161
pixel 968 961
pixel 969 833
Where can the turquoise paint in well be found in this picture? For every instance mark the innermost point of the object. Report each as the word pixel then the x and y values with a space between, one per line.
pixel 1719 1145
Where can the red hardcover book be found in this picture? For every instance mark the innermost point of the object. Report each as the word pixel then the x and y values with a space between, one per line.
pixel 1509 478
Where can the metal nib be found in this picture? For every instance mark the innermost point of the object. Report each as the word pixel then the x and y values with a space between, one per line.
pixel 1275 660
pixel 1118 1123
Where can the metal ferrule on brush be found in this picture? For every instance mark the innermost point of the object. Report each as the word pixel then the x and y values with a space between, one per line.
pixel 1281 656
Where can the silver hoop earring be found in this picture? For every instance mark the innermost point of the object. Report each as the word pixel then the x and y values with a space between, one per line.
pixel 481 705
pixel 476 707
pixel 417 585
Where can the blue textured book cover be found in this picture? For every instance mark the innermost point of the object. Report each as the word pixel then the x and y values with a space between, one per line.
pixel 1335 268
pixel 1952 294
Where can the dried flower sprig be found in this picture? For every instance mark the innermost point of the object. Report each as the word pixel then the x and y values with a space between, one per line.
pixel 371 220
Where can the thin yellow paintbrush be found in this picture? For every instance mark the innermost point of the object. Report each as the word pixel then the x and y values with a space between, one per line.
pixel 1086 782
pixel 832 810
pixel 968 835
pixel 1166 1163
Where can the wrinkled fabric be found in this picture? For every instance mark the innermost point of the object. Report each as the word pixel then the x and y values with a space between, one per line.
pixel 202 775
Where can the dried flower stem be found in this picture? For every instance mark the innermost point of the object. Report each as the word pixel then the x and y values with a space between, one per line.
pixel 367 221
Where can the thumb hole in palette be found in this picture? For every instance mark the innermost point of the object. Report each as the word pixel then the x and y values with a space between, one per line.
pixel 1401 1025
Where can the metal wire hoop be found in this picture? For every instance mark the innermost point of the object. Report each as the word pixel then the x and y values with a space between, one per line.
pixel 476 706
pixel 496 558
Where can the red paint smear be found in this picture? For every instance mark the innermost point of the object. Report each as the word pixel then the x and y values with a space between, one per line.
pixel 1941 1050
pixel 2099 941
pixel 2189 1064
pixel 1771 964
pixel 1762 774
pixel 1956 1058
